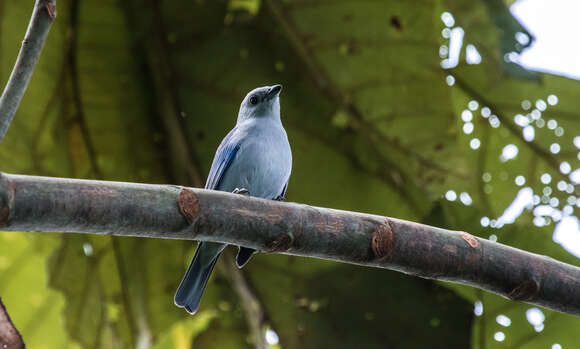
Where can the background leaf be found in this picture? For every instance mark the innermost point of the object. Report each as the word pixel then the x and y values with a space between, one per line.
pixel 145 90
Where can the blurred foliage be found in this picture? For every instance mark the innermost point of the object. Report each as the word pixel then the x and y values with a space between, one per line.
pixel 145 90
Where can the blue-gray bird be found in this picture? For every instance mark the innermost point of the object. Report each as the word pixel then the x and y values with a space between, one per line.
pixel 253 159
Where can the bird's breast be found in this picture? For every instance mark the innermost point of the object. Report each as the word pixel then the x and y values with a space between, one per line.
pixel 262 166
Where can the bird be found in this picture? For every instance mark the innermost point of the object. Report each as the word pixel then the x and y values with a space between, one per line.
pixel 253 159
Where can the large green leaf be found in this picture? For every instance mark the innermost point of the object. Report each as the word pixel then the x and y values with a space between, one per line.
pixel 144 91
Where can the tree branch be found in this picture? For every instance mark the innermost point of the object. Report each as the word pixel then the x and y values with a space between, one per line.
pixel 43 204
pixel 42 17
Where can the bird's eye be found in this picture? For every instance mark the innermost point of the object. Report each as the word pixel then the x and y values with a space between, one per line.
pixel 253 100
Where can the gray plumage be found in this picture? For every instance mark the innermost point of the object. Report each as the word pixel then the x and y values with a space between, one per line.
pixel 255 156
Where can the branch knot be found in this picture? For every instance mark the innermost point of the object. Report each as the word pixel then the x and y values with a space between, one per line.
pixel 282 243
pixel 188 205
pixel 525 291
pixel 470 239
pixel 50 8
pixel 383 240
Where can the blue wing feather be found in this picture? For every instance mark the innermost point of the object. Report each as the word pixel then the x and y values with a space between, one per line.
pixel 224 156
pixel 283 194
pixel 190 290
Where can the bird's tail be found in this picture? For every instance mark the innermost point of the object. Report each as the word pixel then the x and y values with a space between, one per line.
pixel 191 289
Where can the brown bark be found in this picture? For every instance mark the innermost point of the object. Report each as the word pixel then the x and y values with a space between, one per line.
pixel 44 204
pixel 9 336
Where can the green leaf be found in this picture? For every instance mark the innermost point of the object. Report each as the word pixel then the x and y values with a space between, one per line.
pixel 145 91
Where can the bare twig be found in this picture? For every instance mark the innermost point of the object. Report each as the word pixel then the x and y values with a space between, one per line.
pixel 42 17
pixel 79 117
pixel 9 336
pixel 253 309
pixel 42 204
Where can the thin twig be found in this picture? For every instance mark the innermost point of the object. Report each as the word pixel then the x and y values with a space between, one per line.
pixel 253 309
pixel 42 17
pixel 79 113
pixel 9 336
pixel 150 42
pixel 124 280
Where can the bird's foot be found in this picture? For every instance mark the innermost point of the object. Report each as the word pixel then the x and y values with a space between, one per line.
pixel 280 198
pixel 241 191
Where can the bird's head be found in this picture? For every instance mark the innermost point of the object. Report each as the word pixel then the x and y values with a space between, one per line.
pixel 261 102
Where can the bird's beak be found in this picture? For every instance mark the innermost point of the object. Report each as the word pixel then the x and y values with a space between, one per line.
pixel 274 91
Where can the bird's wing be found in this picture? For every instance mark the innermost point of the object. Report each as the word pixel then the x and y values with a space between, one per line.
pixel 190 290
pixel 283 194
pixel 224 155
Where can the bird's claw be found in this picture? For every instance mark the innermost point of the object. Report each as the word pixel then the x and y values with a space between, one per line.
pixel 280 198
pixel 241 191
